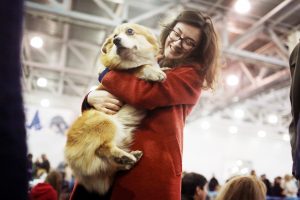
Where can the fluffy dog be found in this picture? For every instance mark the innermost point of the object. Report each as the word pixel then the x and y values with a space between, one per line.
pixel 97 143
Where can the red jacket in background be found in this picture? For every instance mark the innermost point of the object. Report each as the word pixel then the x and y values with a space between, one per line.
pixel 43 191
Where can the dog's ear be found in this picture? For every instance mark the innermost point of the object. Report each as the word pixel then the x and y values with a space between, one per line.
pixel 107 45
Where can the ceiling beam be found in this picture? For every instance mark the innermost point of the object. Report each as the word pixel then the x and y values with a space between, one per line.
pixel 58 68
pixel 257 25
pixel 254 57
pixel 30 6
pixel 103 6
pixel 151 13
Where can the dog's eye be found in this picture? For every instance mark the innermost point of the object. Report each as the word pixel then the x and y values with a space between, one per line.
pixel 129 31
pixel 115 35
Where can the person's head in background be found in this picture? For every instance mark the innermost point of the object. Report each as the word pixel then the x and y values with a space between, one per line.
pixel 55 179
pixel 48 190
pixel 193 187
pixel 44 157
pixel 243 188
pixel 213 184
pixel 191 39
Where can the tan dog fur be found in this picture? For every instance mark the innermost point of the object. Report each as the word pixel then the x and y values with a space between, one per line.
pixel 97 143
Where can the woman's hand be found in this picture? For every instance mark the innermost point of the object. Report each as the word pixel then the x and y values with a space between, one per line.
pixel 104 101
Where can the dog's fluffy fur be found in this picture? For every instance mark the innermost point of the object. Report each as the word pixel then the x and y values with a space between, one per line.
pixel 97 143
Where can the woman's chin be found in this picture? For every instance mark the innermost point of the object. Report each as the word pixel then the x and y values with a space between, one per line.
pixel 172 56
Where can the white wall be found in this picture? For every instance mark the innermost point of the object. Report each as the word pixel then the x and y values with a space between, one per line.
pixel 216 151
pixel 47 135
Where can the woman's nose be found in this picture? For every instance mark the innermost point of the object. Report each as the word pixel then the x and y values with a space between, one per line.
pixel 177 43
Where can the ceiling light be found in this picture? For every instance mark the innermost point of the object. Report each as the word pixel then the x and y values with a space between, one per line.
pixel 36 42
pixel 272 119
pixel 45 102
pixel 205 125
pixel 261 133
pixel 239 163
pixel 233 129
pixel 245 171
pixel 232 80
pixel 242 6
pixel 239 113
pixel 42 82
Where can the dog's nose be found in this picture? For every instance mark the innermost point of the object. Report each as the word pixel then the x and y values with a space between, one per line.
pixel 117 41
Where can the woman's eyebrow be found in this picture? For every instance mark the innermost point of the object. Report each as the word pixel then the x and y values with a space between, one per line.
pixel 179 30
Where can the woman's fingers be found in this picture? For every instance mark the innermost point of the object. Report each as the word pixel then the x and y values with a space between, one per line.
pixel 112 106
pixel 104 101
pixel 108 111
pixel 114 101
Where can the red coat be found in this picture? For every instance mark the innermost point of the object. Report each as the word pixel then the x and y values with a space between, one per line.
pixel 43 191
pixel 157 176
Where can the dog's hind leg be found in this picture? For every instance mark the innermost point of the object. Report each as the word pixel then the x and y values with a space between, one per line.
pixel 121 158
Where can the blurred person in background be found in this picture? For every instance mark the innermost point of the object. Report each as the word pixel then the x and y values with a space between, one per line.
pixel 243 188
pixel 193 187
pixel 48 190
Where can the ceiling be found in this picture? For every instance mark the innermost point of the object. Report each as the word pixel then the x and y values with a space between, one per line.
pixel 255 47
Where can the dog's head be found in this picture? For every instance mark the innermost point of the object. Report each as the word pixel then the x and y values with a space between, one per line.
pixel 130 46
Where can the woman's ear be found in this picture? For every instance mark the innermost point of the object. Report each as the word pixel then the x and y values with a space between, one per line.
pixel 106 47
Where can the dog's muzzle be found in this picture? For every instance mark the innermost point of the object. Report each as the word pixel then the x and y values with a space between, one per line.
pixel 121 50
pixel 117 42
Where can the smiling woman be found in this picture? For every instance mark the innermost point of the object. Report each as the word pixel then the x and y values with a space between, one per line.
pixel 189 48
pixel 182 39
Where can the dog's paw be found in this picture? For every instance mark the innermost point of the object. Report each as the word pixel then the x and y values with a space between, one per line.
pixel 153 74
pixel 125 160
pixel 137 154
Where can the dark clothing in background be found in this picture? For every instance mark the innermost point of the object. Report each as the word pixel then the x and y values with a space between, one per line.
pixel 45 164
pixel 268 186
pixel 277 191
pixel 295 103
pixel 13 155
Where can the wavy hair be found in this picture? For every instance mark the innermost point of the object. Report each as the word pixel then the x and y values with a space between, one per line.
pixel 205 57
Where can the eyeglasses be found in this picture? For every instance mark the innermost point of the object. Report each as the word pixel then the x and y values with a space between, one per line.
pixel 187 43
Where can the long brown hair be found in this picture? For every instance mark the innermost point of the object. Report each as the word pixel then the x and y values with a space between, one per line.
pixel 205 56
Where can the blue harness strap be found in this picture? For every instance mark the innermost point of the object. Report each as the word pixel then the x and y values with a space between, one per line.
pixel 102 74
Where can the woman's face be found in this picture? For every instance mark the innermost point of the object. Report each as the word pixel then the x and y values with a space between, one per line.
pixel 182 40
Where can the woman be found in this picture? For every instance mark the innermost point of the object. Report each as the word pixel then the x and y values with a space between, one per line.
pixel 189 47
pixel 243 188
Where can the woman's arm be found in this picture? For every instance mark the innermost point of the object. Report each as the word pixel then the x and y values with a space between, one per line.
pixel 182 86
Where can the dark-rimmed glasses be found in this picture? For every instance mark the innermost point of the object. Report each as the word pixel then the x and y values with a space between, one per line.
pixel 187 43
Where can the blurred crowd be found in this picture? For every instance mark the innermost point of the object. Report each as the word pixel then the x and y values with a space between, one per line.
pixel 247 187
pixel 47 183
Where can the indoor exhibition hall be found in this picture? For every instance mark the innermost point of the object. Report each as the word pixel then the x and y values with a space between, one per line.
pixel 150 99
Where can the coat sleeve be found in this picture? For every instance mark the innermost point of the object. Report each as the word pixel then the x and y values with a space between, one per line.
pixel 182 86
